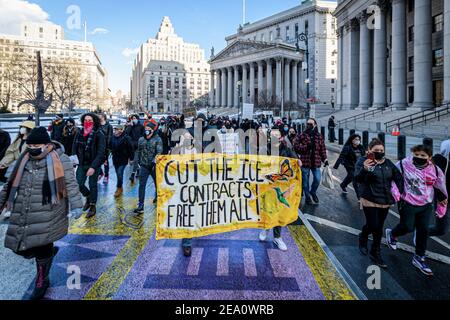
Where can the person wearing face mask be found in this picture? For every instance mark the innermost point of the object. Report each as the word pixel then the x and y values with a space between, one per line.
pixel 57 127
pixel 68 135
pixel 310 147
pixel 149 147
pixel 422 181
pixel 5 142
pixel 442 160
pixel 332 129
pixel 18 146
pixel 292 135
pixel 40 194
pixel 135 131
pixel 350 154
pixel 89 146
pixel 122 153
pixel 281 144
pixel 376 175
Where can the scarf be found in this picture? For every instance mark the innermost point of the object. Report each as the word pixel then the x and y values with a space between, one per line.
pixel 54 185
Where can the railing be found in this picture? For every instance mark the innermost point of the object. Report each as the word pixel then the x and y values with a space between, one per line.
pixel 364 116
pixel 419 118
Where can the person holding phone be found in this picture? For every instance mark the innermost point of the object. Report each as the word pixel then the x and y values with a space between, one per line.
pixel 375 175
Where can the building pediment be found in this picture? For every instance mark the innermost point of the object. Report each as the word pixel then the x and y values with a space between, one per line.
pixel 242 48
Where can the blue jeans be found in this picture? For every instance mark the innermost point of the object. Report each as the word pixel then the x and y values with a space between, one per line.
pixel 144 174
pixel 317 176
pixel 119 172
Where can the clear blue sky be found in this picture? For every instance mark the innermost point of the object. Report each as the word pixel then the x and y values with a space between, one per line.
pixel 132 22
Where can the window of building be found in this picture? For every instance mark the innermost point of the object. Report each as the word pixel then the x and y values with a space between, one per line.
pixel 438 23
pixel 306 26
pixel 411 94
pixel 287 33
pixel 410 5
pixel 438 58
pixel 411 64
pixel 278 32
pixel 411 34
pixel 296 30
pixel 271 36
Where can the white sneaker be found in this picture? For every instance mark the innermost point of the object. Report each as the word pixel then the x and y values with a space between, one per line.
pixel 280 244
pixel 263 235
pixel 7 214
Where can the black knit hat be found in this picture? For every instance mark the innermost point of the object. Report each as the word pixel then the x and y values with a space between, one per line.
pixel 38 136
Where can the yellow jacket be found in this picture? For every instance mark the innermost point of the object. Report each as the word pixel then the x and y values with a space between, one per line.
pixel 13 153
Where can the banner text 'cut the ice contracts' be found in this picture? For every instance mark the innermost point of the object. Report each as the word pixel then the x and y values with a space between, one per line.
pixel 204 194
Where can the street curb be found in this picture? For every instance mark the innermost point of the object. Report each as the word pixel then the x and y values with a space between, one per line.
pixel 358 293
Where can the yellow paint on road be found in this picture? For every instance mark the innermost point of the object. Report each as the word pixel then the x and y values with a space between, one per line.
pixel 330 282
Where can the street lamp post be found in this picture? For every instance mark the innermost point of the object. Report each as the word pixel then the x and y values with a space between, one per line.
pixel 303 37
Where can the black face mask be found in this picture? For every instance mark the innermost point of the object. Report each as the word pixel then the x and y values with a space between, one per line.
pixel 419 162
pixel 35 152
pixel 309 127
pixel 379 155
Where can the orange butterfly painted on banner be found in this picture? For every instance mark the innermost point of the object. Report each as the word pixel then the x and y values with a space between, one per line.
pixel 285 174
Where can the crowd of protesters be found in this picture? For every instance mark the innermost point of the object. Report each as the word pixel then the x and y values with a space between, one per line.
pixel 44 188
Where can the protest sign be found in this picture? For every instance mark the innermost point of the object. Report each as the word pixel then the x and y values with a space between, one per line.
pixel 204 194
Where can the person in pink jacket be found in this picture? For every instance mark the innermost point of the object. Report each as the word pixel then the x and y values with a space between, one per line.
pixel 423 181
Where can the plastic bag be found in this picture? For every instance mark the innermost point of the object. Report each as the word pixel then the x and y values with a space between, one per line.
pixel 327 178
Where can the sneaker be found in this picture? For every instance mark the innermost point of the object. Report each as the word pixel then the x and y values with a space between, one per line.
pixel 315 198
pixel 139 210
pixel 187 251
pixel 87 205
pixel 280 244
pixel 263 235
pixel 390 240
pixel 344 189
pixel 375 256
pixel 308 201
pixel 92 211
pixel 419 263
pixel 106 180
pixel 363 248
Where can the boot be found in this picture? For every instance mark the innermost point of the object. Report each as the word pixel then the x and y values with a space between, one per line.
pixel 42 276
pixel 187 251
pixel 92 211
pixel 133 177
pixel 375 256
pixel 118 193
pixel 363 248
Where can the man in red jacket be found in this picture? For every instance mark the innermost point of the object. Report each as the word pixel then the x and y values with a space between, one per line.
pixel 310 147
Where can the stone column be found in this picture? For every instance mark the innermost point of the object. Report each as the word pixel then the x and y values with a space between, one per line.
pixel 447 51
pixel 380 52
pixel 294 92
pixel 244 83
pixel 252 83
pixel 224 87
pixel 236 88
pixel 218 89
pixel 278 80
pixel 354 66
pixel 287 80
pixel 399 55
pixel 269 79
pixel 230 87
pixel 260 78
pixel 423 55
pixel 211 89
pixel 364 65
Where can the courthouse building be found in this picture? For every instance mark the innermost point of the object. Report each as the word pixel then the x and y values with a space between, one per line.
pixel 49 39
pixel 261 60
pixel 393 53
pixel 168 73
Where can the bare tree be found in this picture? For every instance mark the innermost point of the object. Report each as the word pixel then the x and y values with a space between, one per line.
pixel 266 102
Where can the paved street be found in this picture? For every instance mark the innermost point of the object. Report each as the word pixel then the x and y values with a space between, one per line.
pixel 119 258
pixel 338 221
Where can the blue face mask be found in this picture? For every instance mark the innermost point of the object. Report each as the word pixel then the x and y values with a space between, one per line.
pixel 286 129
pixel 148 132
